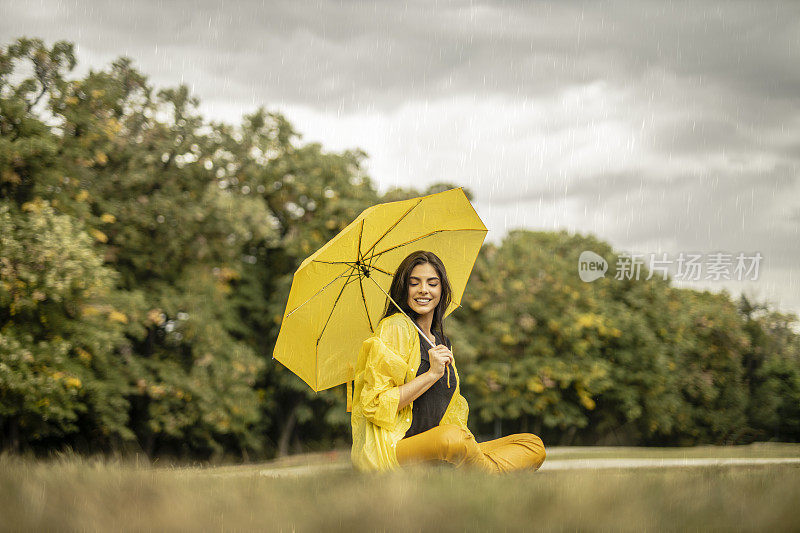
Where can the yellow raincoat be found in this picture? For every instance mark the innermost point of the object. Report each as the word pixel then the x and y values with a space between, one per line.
pixel 387 360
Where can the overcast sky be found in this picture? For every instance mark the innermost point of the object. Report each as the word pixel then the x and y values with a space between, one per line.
pixel 657 126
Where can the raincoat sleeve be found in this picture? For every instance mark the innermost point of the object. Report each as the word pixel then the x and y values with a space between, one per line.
pixel 384 372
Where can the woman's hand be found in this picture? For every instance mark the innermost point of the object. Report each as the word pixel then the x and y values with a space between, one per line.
pixel 439 356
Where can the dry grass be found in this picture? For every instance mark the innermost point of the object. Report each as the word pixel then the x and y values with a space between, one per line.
pixel 73 493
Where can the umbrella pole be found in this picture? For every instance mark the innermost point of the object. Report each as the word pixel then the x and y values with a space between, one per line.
pixel 447 367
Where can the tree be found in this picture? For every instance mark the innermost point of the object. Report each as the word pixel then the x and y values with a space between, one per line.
pixel 59 377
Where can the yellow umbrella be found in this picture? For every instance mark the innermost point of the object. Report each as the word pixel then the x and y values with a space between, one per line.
pixel 338 293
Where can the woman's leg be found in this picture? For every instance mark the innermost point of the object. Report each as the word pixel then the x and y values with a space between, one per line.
pixel 449 443
pixel 520 451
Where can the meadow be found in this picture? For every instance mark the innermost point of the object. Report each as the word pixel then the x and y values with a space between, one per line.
pixel 321 492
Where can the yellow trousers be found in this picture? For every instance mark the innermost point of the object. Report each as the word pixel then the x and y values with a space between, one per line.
pixel 455 445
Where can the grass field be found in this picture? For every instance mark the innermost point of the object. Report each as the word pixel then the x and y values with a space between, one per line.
pixel 73 493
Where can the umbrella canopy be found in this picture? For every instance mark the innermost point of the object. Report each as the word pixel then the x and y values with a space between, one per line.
pixel 339 293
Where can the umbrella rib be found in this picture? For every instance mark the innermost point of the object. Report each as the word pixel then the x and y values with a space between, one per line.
pixel 333 307
pixel 360 234
pixel 366 307
pixel 360 282
pixel 381 270
pixel 370 266
pixel 419 201
pixel 345 273
pixel 350 263
pixel 419 238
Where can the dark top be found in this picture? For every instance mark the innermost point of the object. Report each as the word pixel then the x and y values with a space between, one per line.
pixel 428 409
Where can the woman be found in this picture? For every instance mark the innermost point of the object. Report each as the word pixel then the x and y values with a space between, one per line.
pixel 404 412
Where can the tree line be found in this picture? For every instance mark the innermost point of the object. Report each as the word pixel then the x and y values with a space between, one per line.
pixel 146 255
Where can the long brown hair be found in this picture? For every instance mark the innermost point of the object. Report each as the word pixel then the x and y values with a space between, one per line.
pixel 399 289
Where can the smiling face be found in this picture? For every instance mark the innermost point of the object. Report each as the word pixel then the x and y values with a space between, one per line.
pixel 424 289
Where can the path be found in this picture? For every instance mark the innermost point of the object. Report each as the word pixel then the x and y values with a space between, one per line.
pixel 566 464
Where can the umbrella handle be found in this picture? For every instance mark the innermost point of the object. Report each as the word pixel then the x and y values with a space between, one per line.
pixel 415 325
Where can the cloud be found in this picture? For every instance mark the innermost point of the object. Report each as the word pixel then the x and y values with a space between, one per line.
pixel 353 54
